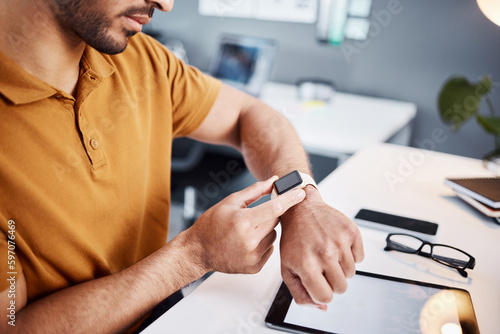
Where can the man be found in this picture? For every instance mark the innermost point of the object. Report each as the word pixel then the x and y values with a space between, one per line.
pixel 87 116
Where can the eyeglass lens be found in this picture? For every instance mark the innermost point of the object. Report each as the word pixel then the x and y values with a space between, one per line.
pixel 450 256
pixel 405 243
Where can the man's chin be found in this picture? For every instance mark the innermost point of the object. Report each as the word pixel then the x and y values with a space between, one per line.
pixel 130 33
pixel 111 46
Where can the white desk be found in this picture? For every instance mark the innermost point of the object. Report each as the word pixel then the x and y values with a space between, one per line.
pixel 347 124
pixel 238 303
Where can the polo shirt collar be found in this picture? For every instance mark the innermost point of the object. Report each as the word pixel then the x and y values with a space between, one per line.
pixel 21 87
pixel 98 64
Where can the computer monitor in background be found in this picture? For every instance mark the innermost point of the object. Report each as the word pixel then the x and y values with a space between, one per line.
pixel 244 62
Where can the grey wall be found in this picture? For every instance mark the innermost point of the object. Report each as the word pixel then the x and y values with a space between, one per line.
pixel 407 59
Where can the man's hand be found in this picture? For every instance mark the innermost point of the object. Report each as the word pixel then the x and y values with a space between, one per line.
pixel 234 238
pixel 319 249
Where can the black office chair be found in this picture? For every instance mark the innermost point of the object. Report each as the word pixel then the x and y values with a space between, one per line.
pixel 186 154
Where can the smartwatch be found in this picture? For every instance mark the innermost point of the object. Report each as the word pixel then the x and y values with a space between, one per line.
pixel 291 181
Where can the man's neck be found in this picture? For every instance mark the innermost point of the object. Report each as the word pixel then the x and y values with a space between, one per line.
pixel 32 38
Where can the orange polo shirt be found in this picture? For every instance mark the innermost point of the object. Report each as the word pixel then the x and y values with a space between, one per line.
pixel 85 181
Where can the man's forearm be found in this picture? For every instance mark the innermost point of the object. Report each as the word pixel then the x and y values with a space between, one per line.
pixel 113 303
pixel 269 143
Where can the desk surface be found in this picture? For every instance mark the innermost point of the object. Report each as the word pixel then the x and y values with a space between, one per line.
pixel 345 125
pixel 388 178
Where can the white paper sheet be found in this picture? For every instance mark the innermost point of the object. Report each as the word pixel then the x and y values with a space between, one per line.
pixel 301 11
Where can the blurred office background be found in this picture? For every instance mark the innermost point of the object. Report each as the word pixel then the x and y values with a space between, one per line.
pixel 408 59
pixel 412 56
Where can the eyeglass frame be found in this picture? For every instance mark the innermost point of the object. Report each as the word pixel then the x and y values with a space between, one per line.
pixel 461 269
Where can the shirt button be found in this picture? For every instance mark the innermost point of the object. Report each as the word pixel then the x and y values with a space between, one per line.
pixel 94 143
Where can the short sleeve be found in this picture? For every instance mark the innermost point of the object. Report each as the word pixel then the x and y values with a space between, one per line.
pixel 193 94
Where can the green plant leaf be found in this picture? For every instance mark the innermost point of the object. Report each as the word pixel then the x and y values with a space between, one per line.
pixel 459 99
pixel 485 85
pixel 490 124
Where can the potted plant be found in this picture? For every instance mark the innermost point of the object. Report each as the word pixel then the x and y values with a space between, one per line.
pixel 459 100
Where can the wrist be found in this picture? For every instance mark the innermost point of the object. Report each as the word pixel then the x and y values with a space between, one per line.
pixel 299 213
pixel 312 193
pixel 192 253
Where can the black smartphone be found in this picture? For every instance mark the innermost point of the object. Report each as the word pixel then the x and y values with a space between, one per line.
pixel 395 224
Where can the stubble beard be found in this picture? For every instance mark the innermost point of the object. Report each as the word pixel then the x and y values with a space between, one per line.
pixel 90 25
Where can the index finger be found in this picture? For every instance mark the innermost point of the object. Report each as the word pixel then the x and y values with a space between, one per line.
pixel 254 192
pixel 276 207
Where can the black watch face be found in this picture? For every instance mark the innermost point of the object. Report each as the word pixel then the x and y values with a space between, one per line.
pixel 287 182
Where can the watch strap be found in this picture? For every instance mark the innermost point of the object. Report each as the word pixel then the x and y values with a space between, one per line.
pixel 307 179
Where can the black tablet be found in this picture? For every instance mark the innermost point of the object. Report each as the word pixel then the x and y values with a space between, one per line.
pixel 379 304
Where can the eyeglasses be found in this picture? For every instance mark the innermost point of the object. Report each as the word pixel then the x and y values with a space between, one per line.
pixel 447 255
